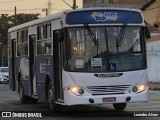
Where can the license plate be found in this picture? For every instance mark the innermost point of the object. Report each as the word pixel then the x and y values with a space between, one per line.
pixel 109 99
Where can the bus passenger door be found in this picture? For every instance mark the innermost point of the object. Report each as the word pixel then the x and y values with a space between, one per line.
pixel 57 62
pixel 32 54
pixel 13 81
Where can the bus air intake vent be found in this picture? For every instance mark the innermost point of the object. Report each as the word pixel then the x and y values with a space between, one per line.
pixel 108 90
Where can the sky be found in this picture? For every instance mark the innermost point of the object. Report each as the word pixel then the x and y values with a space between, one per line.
pixel 34 6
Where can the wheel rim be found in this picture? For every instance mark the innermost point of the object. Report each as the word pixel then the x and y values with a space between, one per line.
pixel 50 96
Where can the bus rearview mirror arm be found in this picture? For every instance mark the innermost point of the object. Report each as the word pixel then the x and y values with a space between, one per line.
pixel 147 33
pixel 60 35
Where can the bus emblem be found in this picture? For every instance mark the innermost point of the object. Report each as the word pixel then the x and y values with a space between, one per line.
pixel 110 16
pixel 108 89
pixel 108 75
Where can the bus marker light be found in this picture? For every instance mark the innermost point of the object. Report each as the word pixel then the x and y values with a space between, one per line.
pixel 67 88
pixel 129 91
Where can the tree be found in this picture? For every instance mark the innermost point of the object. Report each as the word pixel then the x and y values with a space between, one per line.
pixel 4 25
pixel 22 18
pixel 9 21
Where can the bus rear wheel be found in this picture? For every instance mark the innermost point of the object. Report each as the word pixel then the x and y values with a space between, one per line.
pixel 119 106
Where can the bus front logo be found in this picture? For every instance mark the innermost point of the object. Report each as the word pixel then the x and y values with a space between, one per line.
pixel 104 16
pixel 108 89
pixel 110 16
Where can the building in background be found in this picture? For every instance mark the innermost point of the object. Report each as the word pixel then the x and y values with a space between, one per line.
pixel 115 3
pixel 151 11
pixel 153 58
pixel 150 8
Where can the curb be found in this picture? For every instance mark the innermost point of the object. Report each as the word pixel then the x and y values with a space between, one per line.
pixel 154 86
pixel 154 89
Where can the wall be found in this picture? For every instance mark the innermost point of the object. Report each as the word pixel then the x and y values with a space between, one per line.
pixel 153 59
pixel 116 3
pixel 131 1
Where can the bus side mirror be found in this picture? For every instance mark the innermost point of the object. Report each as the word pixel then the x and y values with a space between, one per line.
pixel 147 33
pixel 59 35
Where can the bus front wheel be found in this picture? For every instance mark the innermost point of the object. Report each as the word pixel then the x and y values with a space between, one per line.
pixel 119 106
pixel 52 105
pixel 33 100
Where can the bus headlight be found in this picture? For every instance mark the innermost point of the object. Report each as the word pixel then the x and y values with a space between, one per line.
pixel 139 88
pixel 76 90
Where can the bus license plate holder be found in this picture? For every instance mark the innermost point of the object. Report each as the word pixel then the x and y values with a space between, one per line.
pixel 109 99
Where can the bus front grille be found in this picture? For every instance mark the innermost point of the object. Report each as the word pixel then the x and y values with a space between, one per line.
pixel 108 90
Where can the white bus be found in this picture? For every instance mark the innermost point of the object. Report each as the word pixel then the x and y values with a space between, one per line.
pixel 83 56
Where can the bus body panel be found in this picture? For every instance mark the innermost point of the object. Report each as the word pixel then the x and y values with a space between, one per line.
pixel 22 64
pixel 44 67
pixel 71 99
pixel 32 30
pixel 90 79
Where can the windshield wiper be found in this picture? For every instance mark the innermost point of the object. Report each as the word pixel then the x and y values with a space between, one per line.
pixel 91 34
pixel 120 36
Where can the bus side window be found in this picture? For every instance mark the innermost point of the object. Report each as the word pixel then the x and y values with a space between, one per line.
pixel 39 32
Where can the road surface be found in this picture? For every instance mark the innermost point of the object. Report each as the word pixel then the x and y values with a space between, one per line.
pixel 9 101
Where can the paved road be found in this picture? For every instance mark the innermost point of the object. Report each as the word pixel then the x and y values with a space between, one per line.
pixel 9 101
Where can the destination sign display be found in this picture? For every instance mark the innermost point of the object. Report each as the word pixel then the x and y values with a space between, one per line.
pixel 103 16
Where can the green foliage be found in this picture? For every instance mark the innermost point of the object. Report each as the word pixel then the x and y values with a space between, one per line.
pixel 21 18
pixel 7 22
pixel 4 25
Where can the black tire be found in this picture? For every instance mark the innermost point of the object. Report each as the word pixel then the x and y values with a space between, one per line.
pixel 119 106
pixel 33 100
pixel 51 101
pixel 23 98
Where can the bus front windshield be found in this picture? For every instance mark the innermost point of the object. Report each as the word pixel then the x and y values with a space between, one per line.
pixel 104 49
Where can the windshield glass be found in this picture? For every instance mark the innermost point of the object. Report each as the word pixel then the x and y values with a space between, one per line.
pixel 115 50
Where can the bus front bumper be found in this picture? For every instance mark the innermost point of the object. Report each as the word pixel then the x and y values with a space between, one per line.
pixel 71 99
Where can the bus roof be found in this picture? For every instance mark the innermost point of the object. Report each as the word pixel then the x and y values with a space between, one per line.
pixel 61 14
pixel 35 22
